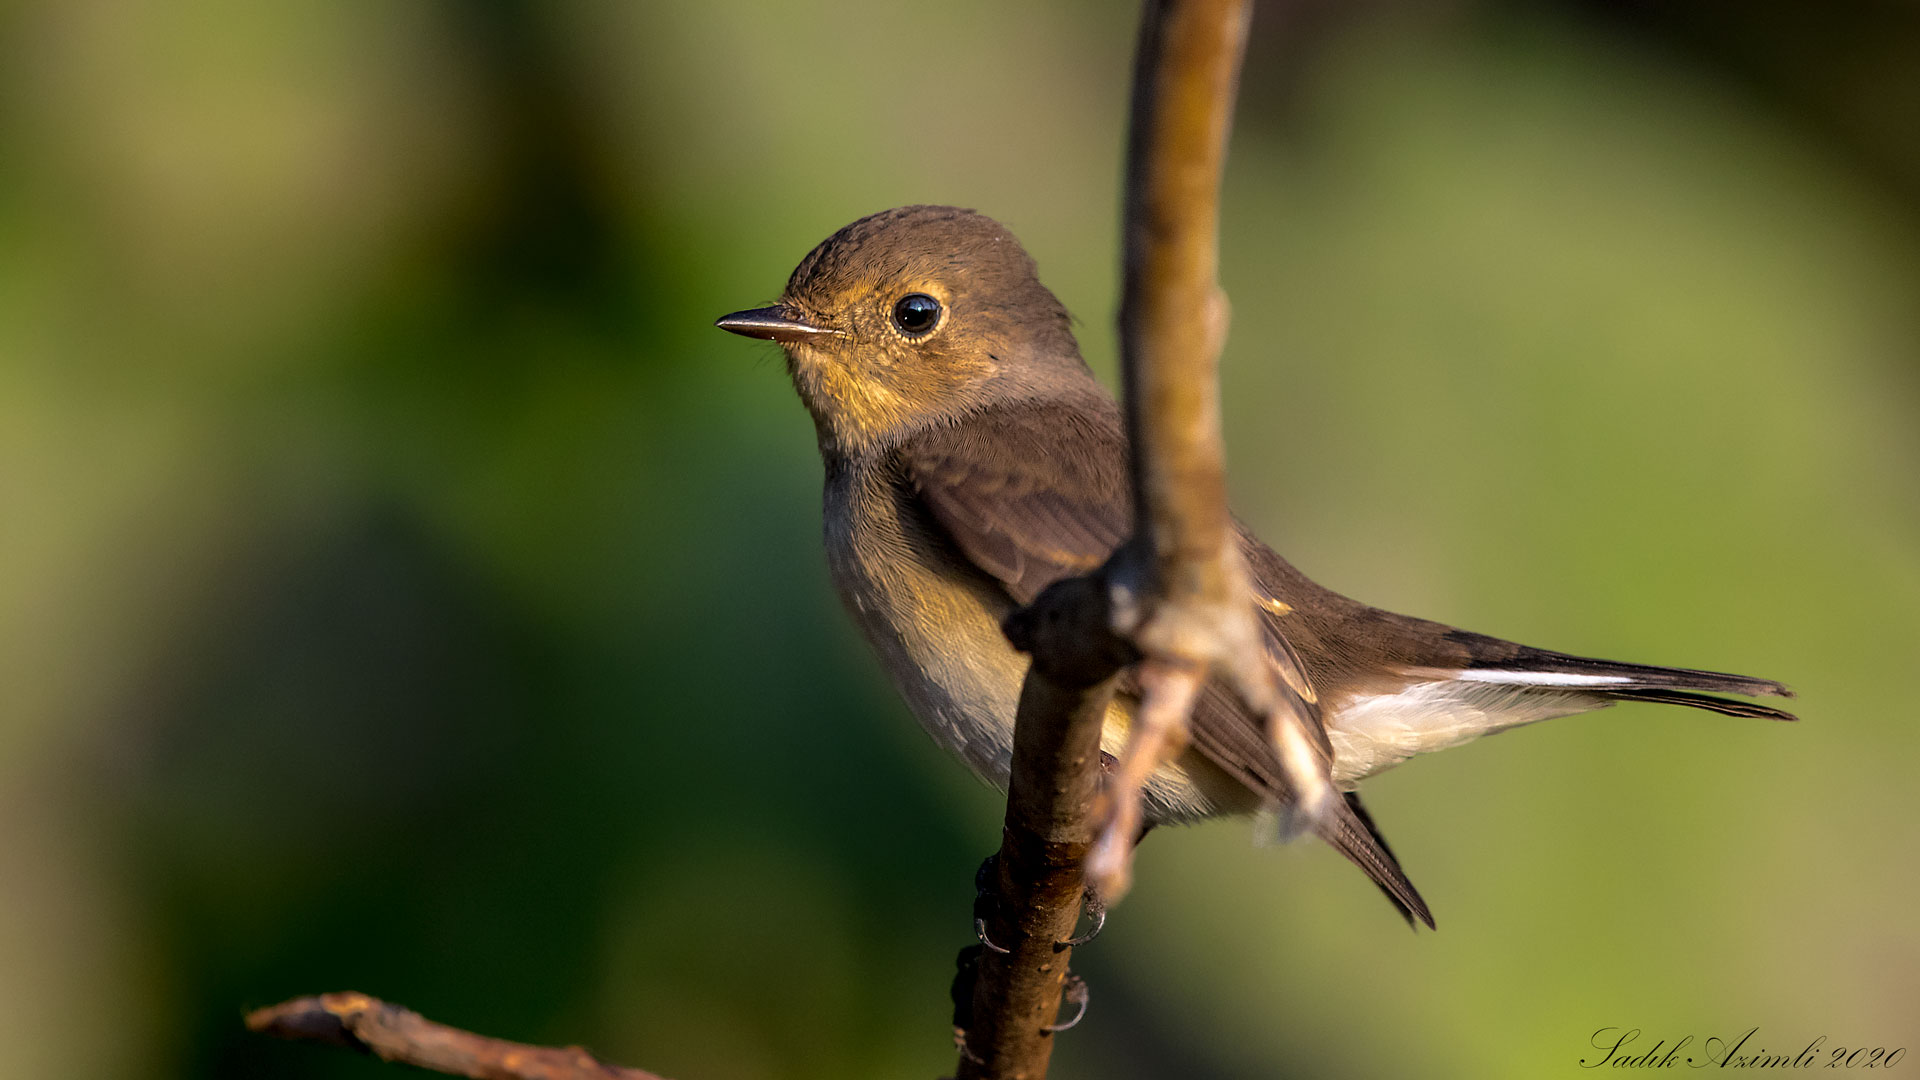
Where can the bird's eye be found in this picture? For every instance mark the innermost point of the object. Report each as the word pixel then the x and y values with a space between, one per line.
pixel 916 314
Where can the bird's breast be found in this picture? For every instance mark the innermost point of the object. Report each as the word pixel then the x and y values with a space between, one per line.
pixel 932 620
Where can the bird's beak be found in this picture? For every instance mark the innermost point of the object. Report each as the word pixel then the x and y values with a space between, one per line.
pixel 771 324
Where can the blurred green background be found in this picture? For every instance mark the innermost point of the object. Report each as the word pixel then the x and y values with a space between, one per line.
pixel 403 587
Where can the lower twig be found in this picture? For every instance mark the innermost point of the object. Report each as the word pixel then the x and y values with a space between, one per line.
pixel 392 1033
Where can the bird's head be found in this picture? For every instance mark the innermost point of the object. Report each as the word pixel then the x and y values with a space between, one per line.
pixel 913 317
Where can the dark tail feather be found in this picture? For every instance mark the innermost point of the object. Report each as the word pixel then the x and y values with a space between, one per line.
pixel 1493 654
pixel 1701 701
pixel 1351 832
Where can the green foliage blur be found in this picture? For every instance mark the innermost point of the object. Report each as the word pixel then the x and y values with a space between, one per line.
pixel 403 588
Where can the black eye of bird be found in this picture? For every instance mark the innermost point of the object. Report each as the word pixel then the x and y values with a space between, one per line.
pixel 916 314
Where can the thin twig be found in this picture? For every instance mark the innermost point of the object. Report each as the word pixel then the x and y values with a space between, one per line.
pixel 392 1033
pixel 1180 584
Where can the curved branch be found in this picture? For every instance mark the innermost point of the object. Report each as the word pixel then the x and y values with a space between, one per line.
pixel 1180 584
pixel 392 1033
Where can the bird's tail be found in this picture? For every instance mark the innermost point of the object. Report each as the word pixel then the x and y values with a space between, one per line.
pixel 1351 832
pixel 1503 663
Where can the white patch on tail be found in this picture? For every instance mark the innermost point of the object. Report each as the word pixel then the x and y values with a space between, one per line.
pixel 1539 678
pixel 1373 733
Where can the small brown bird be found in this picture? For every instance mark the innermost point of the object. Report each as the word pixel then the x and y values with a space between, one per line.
pixel 972 460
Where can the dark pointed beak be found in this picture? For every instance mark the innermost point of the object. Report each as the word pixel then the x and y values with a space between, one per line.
pixel 771 324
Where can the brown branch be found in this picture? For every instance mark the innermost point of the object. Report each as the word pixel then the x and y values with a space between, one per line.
pixel 1051 820
pixel 392 1033
pixel 1174 597
pixel 1180 584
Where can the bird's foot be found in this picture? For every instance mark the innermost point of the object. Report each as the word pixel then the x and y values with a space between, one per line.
pixel 1095 909
pixel 985 901
pixel 1075 993
pixel 966 972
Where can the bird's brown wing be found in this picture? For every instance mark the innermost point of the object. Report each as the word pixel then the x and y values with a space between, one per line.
pixel 1033 495
pixel 1029 496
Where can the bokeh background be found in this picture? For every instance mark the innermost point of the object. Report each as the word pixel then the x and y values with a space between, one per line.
pixel 403 587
